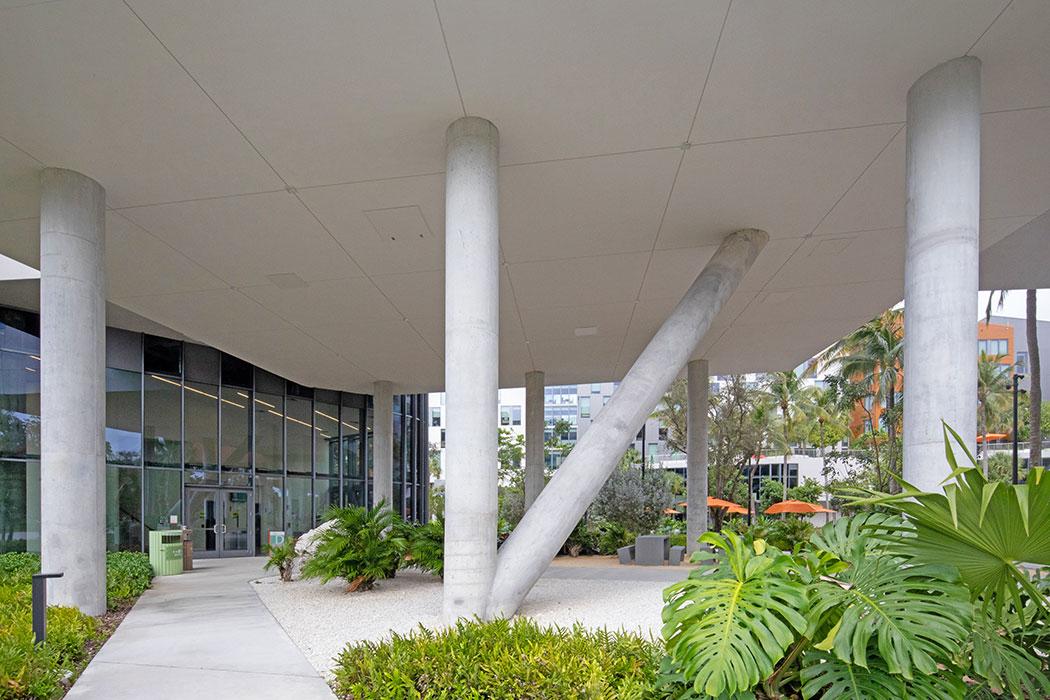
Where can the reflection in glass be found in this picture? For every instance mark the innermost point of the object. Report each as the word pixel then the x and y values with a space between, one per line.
pixel 123 417
pixel 269 432
pixel 19 506
pixel 163 498
pixel 299 434
pixel 298 517
pixel 353 492
pixel 326 438
pixel 202 426
pixel 19 405
pixel 236 428
pixel 163 421
pixel 269 509
pixel 326 495
pixel 123 509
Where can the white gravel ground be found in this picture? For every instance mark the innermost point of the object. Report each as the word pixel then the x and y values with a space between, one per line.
pixel 321 620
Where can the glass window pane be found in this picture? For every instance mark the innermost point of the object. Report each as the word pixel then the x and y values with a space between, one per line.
pixel 20 331
pixel 351 423
pixel 163 498
pixel 269 432
pixel 298 515
pixel 326 438
pixel 236 372
pixel 162 355
pixel 236 428
pixel 19 506
pixel 299 435
pixel 326 495
pixel 353 492
pixel 202 426
pixel 123 417
pixel 398 443
pixel 19 405
pixel 123 509
pixel 163 421
pixel 269 509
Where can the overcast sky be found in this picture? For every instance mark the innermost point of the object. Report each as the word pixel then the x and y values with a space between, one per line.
pixel 1015 304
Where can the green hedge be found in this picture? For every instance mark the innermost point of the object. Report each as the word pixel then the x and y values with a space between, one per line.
pixel 30 671
pixel 501 660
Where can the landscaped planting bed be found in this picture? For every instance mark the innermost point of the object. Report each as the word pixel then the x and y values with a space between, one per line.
pixel 46 671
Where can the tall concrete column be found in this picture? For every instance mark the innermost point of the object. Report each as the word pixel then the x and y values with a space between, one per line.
pixel 383 444
pixel 534 434
pixel 696 454
pixel 73 388
pixel 471 363
pixel 940 266
pixel 543 530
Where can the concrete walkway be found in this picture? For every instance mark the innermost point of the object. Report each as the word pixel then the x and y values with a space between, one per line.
pixel 204 634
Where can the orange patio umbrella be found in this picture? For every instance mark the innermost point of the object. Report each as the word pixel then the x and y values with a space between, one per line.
pixel 736 510
pixel 800 507
pixel 993 436
pixel 671 511
pixel 719 503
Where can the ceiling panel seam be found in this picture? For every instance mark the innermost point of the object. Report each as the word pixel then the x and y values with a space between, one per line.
pixel 517 308
pixel 986 29
pixel 707 75
pixel 448 52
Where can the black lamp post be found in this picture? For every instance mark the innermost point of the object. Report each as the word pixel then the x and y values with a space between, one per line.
pixel 1017 378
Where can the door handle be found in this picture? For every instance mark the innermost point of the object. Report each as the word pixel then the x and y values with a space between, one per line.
pixel 224 528
pixel 215 528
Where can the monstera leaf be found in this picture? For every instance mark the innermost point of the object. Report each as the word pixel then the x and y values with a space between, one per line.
pixel 729 623
pixel 985 529
pixel 914 615
pixel 829 678
pixel 856 537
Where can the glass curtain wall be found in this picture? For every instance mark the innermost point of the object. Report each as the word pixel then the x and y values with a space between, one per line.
pixel 183 415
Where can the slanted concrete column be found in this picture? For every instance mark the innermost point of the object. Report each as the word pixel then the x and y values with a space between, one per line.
pixel 696 454
pixel 940 266
pixel 471 363
pixel 383 444
pixel 534 433
pixel 543 530
pixel 73 388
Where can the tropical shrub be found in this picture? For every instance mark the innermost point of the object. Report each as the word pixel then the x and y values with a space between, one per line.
pixel 29 670
pixel 128 574
pixel 635 500
pixel 582 539
pixel 612 536
pixel 281 558
pixel 500 660
pixel 789 532
pixel 933 605
pixel 426 547
pixel 361 547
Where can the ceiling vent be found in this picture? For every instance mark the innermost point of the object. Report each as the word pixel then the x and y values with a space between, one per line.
pixel 286 280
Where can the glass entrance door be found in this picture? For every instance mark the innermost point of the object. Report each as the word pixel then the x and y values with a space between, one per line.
pixel 219 522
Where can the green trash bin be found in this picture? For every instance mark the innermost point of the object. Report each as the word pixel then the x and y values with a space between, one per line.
pixel 165 552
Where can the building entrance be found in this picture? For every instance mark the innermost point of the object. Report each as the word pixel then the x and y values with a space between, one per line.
pixel 220 521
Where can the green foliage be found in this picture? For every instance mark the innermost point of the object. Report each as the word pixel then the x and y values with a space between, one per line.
pixel 128 574
pixel 634 500
pixel 281 558
pixel 426 547
pixel 788 532
pixel 28 670
pixel 808 491
pixel 500 660
pixel 730 622
pixel 770 491
pixel 612 536
pixel 357 548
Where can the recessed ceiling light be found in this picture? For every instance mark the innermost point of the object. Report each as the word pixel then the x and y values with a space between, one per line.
pixel 286 280
pixel 586 330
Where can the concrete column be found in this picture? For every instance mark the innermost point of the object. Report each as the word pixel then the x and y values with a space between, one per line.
pixel 696 455
pixel 471 363
pixel 534 434
pixel 543 530
pixel 940 266
pixel 73 388
pixel 383 444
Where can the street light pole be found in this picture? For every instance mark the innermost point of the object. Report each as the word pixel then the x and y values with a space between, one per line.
pixel 1017 378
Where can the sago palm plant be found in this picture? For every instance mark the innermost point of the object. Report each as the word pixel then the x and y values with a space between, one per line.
pixel 361 547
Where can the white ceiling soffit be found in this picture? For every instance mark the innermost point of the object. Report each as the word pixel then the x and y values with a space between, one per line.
pixel 275 169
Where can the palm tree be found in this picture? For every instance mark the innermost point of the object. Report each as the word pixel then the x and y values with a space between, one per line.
pixel 874 356
pixel 993 397
pixel 794 401
pixel 1035 388
pixel 828 414
pixel 673 414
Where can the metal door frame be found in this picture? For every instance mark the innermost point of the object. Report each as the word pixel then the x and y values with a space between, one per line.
pixel 222 492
